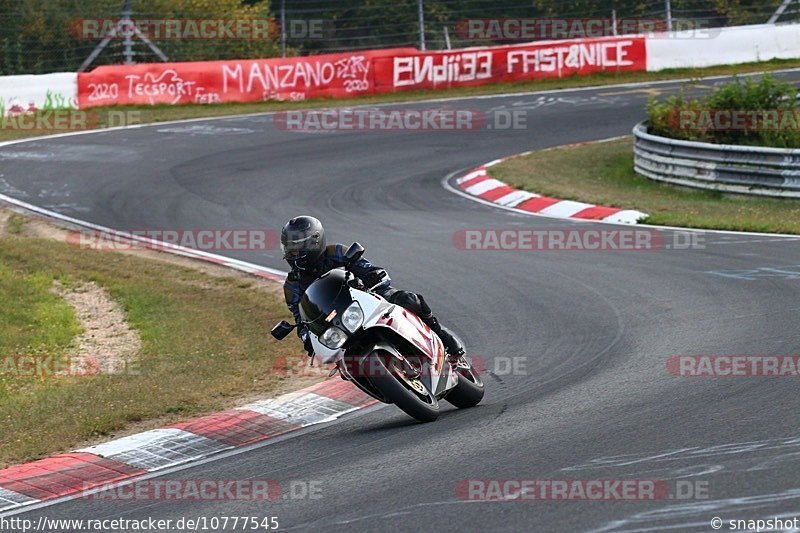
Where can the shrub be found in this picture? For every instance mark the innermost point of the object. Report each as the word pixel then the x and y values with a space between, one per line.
pixel 767 106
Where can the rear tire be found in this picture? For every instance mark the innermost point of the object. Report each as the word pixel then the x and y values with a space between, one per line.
pixel 397 391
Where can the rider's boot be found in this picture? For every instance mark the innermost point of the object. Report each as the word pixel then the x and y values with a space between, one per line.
pixel 453 348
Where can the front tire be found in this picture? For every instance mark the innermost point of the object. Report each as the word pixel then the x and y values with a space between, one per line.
pixel 469 391
pixel 397 389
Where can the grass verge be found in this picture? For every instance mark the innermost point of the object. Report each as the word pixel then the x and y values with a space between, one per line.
pixel 162 113
pixel 602 173
pixel 205 343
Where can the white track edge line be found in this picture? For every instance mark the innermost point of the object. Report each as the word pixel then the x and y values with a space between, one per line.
pixel 237 264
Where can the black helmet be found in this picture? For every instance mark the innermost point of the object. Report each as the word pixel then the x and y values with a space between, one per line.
pixel 303 242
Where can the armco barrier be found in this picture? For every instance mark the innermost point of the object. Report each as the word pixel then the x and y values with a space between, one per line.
pixel 720 167
pixel 353 74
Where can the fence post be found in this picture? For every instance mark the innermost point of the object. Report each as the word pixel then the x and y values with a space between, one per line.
pixel 421 22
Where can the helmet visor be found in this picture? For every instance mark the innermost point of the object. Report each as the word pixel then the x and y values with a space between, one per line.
pixel 301 248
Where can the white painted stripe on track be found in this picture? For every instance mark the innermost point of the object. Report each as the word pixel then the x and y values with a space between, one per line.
pixel 484 186
pixel 10 499
pixel 302 408
pixel 565 209
pixel 515 198
pixel 474 174
pixel 626 216
pixel 158 448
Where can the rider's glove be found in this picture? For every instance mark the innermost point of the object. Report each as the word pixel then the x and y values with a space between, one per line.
pixel 374 277
pixel 306 338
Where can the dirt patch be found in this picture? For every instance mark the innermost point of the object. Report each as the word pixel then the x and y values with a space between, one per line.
pixel 107 345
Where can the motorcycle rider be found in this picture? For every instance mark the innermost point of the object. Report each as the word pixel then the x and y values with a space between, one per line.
pixel 304 247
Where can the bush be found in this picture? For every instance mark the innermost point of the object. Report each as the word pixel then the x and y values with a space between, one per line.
pixel 767 108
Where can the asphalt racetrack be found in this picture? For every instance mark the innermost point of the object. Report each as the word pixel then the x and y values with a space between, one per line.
pixel 591 399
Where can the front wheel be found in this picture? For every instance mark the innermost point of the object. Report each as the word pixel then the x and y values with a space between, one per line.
pixel 406 392
pixel 469 391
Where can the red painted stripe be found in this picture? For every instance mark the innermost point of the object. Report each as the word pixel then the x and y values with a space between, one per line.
pixel 342 391
pixel 473 181
pixel 64 474
pixel 237 427
pixel 499 192
pixel 535 205
pixel 597 212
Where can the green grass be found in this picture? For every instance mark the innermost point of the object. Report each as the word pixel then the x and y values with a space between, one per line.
pixel 602 173
pixel 162 113
pixel 33 321
pixel 205 344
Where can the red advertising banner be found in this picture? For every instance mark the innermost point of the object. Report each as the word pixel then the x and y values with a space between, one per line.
pixel 353 74
pixel 479 66
pixel 207 82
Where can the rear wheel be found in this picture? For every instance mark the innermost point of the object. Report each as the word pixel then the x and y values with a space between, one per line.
pixel 405 391
pixel 469 391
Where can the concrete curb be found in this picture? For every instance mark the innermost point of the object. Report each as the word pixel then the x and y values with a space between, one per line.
pixel 479 184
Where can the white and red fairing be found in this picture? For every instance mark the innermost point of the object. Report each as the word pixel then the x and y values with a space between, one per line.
pixel 379 313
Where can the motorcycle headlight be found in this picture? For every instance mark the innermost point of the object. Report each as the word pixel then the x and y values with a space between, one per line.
pixel 333 338
pixel 353 317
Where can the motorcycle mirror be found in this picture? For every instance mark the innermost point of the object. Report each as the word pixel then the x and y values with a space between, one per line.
pixel 281 330
pixel 354 253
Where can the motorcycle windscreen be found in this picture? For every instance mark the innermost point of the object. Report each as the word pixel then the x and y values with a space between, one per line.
pixel 324 300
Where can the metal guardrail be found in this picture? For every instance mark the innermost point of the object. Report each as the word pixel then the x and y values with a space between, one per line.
pixel 721 167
